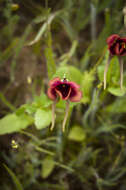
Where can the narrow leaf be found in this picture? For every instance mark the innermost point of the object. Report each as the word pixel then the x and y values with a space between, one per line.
pixel 14 178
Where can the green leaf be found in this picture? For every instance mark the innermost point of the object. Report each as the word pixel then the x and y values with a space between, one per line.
pixel 117 106
pixel 14 178
pixel 77 134
pixel 117 91
pixel 26 108
pixel 42 118
pixel 42 101
pixel 71 73
pixel 21 109
pixel 48 165
pixel 87 83
pixel 114 71
pixel 13 123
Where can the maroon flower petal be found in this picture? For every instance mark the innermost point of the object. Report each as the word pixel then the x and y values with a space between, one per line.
pixel 123 48
pixel 111 39
pixel 74 85
pixel 116 45
pixel 123 52
pixel 51 90
pixel 120 49
pixel 66 90
pixel 51 93
pixel 117 49
pixel 75 95
pixel 53 83
pixel 112 50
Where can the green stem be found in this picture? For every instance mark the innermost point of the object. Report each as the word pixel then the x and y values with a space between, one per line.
pixel 106 70
pixel 53 115
pixel 66 115
pixel 121 73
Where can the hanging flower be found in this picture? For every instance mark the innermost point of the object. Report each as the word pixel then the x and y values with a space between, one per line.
pixel 69 91
pixel 116 47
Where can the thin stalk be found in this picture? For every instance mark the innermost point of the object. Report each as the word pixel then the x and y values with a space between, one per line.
pixel 106 70
pixel 6 102
pixel 53 115
pixel 121 73
pixel 66 115
pixel 93 22
pixel 40 149
pixel 33 137
pixel 64 166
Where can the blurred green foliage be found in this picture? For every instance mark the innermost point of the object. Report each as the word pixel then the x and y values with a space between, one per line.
pixel 41 40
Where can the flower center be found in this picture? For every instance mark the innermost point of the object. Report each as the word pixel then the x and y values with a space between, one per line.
pixel 64 89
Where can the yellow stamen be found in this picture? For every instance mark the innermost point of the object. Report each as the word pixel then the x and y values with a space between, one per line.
pixel 14 144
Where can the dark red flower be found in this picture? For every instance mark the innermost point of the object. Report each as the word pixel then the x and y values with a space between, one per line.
pixel 65 89
pixel 69 91
pixel 116 45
